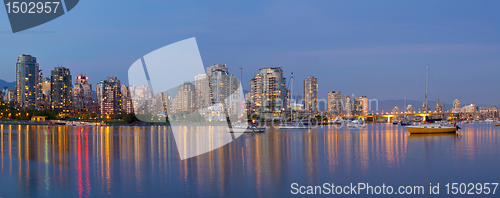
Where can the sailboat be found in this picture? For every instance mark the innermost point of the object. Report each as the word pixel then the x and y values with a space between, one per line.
pixel 292 124
pixel 430 128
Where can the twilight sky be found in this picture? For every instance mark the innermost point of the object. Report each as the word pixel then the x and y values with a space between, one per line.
pixel 374 48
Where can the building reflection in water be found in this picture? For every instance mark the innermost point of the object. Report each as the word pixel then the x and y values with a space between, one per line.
pixel 135 161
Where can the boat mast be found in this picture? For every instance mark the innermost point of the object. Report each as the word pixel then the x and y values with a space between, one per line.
pixel 290 99
pixel 404 109
pixel 426 88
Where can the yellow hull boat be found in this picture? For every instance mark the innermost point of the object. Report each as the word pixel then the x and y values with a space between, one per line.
pixel 431 129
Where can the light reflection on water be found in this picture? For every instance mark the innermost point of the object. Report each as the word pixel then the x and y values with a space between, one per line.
pixel 144 161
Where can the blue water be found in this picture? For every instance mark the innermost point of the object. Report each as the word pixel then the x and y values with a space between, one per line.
pixel 38 161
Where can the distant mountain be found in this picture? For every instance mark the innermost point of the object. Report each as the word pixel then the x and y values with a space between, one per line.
pixel 9 85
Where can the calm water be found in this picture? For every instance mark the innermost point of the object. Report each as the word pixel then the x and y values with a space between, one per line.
pixel 37 161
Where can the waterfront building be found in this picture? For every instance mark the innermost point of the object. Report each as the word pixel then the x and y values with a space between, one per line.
pixel 360 106
pixel 396 110
pixel 439 107
pixel 268 92
pixel 311 95
pixel 140 97
pixel 255 94
pixel 27 82
pixel 44 101
pixel 410 109
pixel 334 104
pixel 186 98
pixel 424 108
pixel 347 106
pixel 469 109
pixel 109 97
pixel 127 105
pixel 83 97
pixel 202 91
pixel 456 104
pixel 221 83
pixel 215 113
pixel 60 89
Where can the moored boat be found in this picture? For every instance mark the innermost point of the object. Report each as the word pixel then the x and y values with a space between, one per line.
pixel 431 128
pixel 404 123
pixel 356 124
pixel 497 123
pixel 250 128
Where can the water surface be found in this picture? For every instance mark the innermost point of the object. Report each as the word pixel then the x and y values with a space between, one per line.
pixel 41 161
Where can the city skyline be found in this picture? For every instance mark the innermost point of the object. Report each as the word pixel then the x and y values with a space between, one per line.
pixel 379 50
pixel 215 85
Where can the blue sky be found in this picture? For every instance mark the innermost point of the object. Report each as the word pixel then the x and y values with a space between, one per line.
pixel 373 48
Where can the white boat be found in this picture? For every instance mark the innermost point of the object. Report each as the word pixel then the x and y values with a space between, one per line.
pixel 489 120
pixel 294 125
pixel 241 128
pixel 338 121
pixel 356 124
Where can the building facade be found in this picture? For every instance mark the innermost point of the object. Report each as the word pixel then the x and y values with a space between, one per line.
pixel 347 106
pixel 45 91
pixel 202 91
pixel 439 107
pixel 456 104
pixel 60 89
pixel 360 106
pixel 27 82
pixel 109 96
pixel 83 96
pixel 311 95
pixel 186 98
pixel 425 108
pixel 334 104
pixel 127 105
pixel 268 92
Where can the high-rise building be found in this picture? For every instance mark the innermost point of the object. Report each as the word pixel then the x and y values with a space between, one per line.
pixel 410 109
pixel 44 101
pixel 268 92
pixel 360 105
pixel 109 98
pixel 456 104
pixel 83 97
pixel 127 105
pixel 311 95
pixel 255 94
pixel 141 97
pixel 396 110
pixel 186 98
pixel 334 103
pixel 27 82
pixel 347 106
pixel 202 91
pixel 11 98
pixel 439 107
pixel 425 108
pixel 60 89
pixel 221 83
